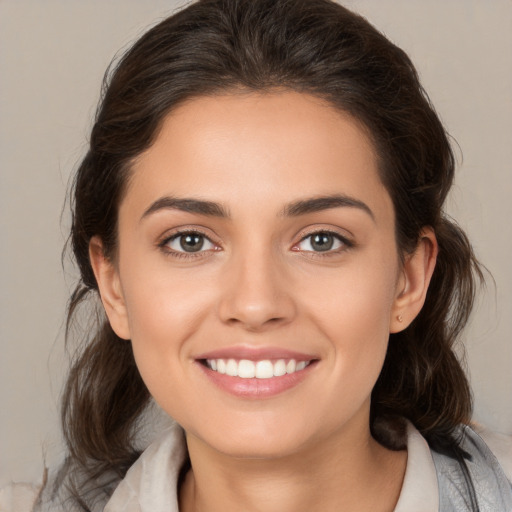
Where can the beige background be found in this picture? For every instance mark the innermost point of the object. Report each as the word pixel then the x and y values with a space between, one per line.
pixel 52 57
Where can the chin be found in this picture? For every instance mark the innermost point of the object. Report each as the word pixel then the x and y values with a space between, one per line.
pixel 258 440
pixel 261 449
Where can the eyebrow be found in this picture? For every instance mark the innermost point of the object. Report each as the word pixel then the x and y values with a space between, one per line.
pixel 189 205
pixel 317 204
pixel 294 209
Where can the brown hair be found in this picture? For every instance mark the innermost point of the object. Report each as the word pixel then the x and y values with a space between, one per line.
pixel 312 46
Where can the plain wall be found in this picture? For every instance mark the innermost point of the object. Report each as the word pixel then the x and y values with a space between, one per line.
pixel 52 58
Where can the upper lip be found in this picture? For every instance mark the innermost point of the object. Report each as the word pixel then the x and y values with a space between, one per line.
pixel 255 354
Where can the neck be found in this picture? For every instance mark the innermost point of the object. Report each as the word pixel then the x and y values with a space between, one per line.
pixel 347 472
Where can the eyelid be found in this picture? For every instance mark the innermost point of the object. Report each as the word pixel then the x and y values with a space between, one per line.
pixel 162 243
pixel 347 241
pixel 170 235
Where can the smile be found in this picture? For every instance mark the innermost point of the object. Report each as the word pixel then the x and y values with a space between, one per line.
pixel 264 369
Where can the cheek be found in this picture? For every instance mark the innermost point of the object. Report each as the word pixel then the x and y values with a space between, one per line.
pixel 161 301
pixel 163 319
pixel 352 307
pixel 165 310
pixel 356 298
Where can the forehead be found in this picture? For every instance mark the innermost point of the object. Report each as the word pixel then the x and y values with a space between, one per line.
pixel 248 148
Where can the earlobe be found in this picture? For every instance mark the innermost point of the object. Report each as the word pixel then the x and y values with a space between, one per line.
pixel 109 286
pixel 414 280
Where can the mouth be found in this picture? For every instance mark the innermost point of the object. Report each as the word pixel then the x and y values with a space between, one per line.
pixel 261 369
pixel 256 374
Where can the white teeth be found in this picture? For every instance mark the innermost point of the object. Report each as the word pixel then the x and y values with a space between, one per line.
pixel 279 368
pixel 264 369
pixel 246 369
pixel 291 366
pixel 300 366
pixel 232 368
pixel 221 366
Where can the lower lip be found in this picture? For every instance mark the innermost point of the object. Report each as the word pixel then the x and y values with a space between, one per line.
pixel 256 388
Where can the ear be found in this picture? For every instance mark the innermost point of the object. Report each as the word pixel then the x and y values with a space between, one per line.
pixel 413 282
pixel 109 285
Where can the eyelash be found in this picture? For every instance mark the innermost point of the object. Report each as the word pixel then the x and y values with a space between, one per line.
pixel 344 241
pixel 163 245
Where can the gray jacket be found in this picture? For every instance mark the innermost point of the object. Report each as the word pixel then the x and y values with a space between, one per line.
pixel 433 482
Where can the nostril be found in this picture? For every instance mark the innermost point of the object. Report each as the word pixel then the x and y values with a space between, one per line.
pixel 255 304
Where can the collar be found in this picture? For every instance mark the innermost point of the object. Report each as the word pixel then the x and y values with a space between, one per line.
pixel 151 483
pixel 420 490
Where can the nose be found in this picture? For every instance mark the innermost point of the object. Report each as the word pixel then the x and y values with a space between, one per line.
pixel 256 293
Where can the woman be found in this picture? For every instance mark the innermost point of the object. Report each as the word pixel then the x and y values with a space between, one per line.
pixel 261 212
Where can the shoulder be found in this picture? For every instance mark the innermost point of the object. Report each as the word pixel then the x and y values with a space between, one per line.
pixel 56 493
pixel 146 484
pixel 499 444
pixel 19 497
pixel 473 473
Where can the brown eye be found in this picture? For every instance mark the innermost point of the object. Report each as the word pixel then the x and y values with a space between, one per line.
pixel 322 241
pixel 189 242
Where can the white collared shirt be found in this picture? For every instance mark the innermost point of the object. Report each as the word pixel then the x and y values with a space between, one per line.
pixel 151 483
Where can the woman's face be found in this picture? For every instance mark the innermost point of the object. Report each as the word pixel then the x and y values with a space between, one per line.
pixel 255 237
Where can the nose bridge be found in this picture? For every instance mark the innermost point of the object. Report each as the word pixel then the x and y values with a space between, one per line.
pixel 255 294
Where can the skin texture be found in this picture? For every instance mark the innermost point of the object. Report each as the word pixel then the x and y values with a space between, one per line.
pixel 259 284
